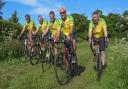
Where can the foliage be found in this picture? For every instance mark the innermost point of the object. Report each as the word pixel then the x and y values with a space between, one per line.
pixel 8 28
pixel 81 25
pixel 14 18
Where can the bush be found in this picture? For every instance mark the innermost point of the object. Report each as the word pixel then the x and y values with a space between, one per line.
pixel 9 50
pixel 8 28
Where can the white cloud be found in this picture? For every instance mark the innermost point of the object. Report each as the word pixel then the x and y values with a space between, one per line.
pixel 40 10
pixel 43 11
pixel 46 7
pixel 27 2
pixel 40 6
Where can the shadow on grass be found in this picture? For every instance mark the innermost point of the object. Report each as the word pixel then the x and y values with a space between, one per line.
pixel 78 70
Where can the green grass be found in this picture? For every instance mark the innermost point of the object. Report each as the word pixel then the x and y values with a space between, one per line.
pixel 22 75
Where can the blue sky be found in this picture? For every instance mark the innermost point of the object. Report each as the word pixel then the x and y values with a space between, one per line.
pixel 42 7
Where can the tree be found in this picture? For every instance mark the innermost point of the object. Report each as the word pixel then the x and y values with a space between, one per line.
pixel 2 3
pixel 125 13
pixel 113 27
pixel 14 17
pixel 81 25
pixel 123 24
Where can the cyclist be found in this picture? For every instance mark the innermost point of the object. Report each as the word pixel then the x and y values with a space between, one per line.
pixel 98 30
pixel 67 23
pixel 30 28
pixel 42 28
pixel 54 28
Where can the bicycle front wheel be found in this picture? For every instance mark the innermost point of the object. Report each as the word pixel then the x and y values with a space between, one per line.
pixel 61 69
pixel 35 54
pixel 23 51
pixel 99 67
pixel 47 59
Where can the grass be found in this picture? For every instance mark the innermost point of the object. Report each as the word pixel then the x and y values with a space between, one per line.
pixel 22 75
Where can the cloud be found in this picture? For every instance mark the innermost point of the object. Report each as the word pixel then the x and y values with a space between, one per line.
pixel 45 7
pixel 40 10
pixel 27 2
pixel 43 11
pixel 41 7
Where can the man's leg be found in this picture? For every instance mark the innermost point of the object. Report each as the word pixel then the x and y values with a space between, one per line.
pixel 92 48
pixel 102 50
pixel 74 45
pixel 93 51
pixel 103 57
pixel 30 42
pixel 73 40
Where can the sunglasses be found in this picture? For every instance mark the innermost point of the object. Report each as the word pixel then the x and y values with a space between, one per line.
pixel 62 12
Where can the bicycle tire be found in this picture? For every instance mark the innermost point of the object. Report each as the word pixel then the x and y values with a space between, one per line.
pixel 34 54
pixel 22 51
pixel 99 67
pixel 61 74
pixel 74 65
pixel 47 59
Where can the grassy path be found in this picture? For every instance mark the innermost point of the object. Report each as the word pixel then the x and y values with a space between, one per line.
pixel 22 75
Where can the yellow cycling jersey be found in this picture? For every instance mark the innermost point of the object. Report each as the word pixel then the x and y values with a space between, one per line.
pixel 54 27
pixel 67 25
pixel 29 26
pixel 98 30
pixel 43 26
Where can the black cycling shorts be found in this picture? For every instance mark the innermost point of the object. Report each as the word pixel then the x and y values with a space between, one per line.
pixel 101 42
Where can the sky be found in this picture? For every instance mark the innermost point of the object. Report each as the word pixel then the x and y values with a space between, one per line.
pixel 42 7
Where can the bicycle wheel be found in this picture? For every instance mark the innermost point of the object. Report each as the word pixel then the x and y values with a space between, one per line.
pixel 35 54
pixel 23 51
pixel 61 67
pixel 99 67
pixel 47 59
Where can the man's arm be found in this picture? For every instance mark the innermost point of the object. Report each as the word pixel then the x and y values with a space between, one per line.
pixel 23 30
pixel 90 32
pixel 89 35
pixel 30 32
pixel 37 30
pixel 45 31
pixel 105 30
pixel 71 28
pixel 105 33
